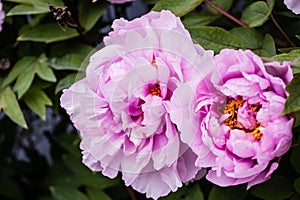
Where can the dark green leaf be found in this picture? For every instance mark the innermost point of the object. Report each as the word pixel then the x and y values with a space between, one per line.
pixel 10 106
pixel 96 194
pixel 33 7
pixel 198 19
pixel 277 188
pixel 292 103
pixel 229 193
pixel 66 193
pixel 214 38
pixel 70 143
pixel 295 161
pixel 66 62
pixel 257 13
pixel 178 7
pixel 37 100
pixel 48 33
pixel 268 47
pixel 194 193
pixel 224 5
pixel 89 13
pixel 297 185
pixel 251 38
pixel 178 195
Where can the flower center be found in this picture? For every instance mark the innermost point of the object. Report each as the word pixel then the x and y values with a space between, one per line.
pixel 232 108
pixel 155 91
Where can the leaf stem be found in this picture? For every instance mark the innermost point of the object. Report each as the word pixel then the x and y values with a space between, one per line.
pixel 227 14
pixel 281 30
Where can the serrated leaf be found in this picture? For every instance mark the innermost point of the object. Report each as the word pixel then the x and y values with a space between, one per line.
pixel 90 13
pixel 66 62
pixel 45 72
pixel 292 103
pixel 66 193
pixel 178 7
pixel 276 188
pixel 214 38
pixel 229 193
pixel 10 106
pixel 251 38
pixel 47 33
pixel 33 7
pixel 67 81
pixel 37 100
pixel 198 19
pixel 268 48
pixel 257 13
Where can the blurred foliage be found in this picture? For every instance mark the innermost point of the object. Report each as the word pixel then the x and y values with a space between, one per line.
pixel 39 148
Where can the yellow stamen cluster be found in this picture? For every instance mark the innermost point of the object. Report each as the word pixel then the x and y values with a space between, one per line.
pixel 156 90
pixel 232 108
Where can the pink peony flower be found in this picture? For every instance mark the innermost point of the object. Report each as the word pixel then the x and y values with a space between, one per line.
pixel 119 1
pixel 234 122
pixel 293 5
pixel 121 107
pixel 2 15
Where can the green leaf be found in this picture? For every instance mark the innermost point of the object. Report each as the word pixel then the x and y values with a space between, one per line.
pixel 293 56
pixel 45 72
pixel 297 184
pixel 96 194
pixel 24 81
pixel 214 38
pixel 66 62
pixel 292 103
pixel 47 33
pixel 67 81
pixel 224 5
pixel 229 193
pixel 70 143
pixel 257 13
pixel 294 159
pixel 297 119
pixel 198 19
pixel 178 7
pixel 194 193
pixel 37 100
pixel 66 193
pixel 19 68
pixel 33 7
pixel 268 48
pixel 251 38
pixel 10 106
pixel 277 188
pixel 24 71
pixel 89 13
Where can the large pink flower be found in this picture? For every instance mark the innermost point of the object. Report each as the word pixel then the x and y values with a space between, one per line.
pixel 2 15
pixel 122 110
pixel 293 5
pixel 234 122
